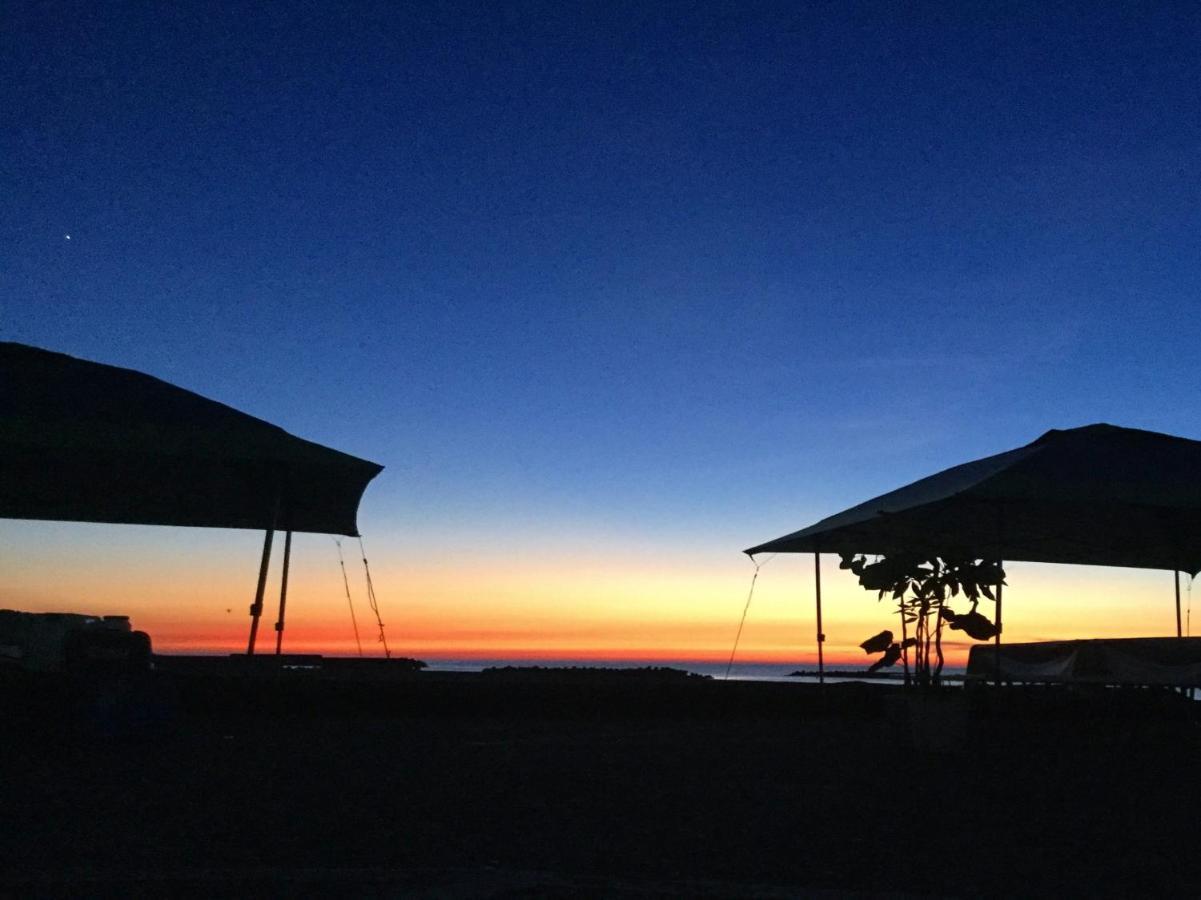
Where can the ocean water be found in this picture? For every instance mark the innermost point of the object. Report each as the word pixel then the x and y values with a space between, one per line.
pixel 738 672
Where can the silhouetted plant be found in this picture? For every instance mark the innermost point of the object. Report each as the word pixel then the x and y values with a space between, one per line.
pixel 921 587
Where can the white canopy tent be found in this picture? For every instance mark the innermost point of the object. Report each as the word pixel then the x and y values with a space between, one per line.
pixel 1097 495
pixel 81 441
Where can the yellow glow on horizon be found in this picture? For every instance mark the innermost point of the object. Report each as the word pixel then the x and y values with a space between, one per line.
pixel 194 597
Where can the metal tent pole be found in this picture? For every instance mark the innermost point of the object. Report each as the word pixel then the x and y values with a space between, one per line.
pixel 997 638
pixel 1176 579
pixel 256 609
pixel 1000 512
pixel 283 594
pixel 821 638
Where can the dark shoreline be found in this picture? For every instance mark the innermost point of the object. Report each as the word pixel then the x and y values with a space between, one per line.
pixel 435 783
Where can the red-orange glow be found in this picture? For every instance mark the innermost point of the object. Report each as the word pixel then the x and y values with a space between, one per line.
pixel 194 597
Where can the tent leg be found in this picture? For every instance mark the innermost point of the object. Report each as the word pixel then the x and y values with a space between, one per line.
pixel 1176 578
pixel 997 639
pixel 283 594
pixel 821 638
pixel 256 609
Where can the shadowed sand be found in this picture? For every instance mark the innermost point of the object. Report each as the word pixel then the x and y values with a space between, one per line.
pixel 535 785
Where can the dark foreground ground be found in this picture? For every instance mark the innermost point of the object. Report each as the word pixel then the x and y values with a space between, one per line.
pixel 464 786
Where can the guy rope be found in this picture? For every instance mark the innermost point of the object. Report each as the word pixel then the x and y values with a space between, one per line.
pixel 745 610
pixel 372 601
pixel 349 603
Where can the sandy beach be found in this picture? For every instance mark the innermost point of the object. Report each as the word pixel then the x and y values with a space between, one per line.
pixel 545 785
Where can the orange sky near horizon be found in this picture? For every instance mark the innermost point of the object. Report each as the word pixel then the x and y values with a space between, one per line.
pixel 190 590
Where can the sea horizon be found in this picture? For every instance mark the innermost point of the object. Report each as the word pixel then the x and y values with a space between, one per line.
pixel 738 671
pixel 750 671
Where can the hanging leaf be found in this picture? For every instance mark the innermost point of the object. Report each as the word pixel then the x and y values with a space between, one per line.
pixel 890 657
pixel 877 577
pixel 877 643
pixel 975 625
pixel 990 572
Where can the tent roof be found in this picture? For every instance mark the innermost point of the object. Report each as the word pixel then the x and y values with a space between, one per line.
pixel 87 442
pixel 1097 495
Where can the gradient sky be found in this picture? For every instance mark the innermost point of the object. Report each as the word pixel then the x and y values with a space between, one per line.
pixel 613 290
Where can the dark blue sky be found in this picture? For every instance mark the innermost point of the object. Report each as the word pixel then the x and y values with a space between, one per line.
pixel 638 271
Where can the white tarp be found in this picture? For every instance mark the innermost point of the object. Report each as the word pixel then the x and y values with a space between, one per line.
pixel 1098 495
pixel 1133 661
